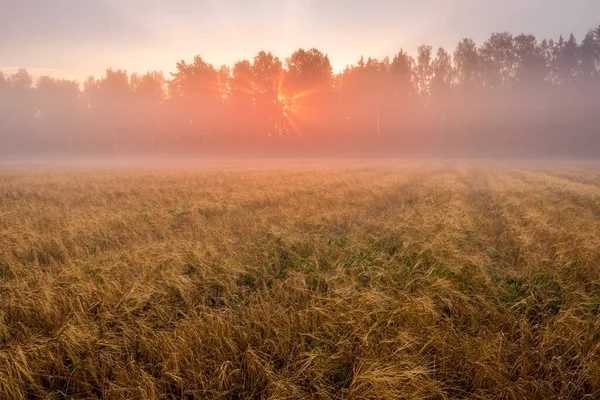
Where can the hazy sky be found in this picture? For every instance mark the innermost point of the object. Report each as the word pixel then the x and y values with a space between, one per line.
pixel 75 38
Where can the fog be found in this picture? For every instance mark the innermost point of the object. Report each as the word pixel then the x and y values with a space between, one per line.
pixel 509 97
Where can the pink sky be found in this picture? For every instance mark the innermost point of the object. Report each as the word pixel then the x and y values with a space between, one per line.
pixel 73 38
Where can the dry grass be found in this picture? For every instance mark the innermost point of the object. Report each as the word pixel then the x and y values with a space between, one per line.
pixel 417 280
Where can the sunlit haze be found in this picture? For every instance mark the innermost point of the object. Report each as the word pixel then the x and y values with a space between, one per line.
pixel 73 39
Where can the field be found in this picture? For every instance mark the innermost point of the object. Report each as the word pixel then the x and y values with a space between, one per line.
pixel 416 280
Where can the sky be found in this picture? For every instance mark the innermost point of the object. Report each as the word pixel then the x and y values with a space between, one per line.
pixel 75 38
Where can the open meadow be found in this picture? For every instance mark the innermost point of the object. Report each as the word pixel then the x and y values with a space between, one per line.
pixel 298 280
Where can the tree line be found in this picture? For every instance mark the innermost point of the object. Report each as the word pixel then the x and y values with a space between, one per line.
pixel 511 95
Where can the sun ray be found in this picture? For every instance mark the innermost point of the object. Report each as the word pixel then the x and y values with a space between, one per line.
pixel 304 93
pixel 295 128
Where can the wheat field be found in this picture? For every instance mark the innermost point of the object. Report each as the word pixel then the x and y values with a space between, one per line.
pixel 300 280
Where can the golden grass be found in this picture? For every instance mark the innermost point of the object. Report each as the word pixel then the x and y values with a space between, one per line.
pixel 366 281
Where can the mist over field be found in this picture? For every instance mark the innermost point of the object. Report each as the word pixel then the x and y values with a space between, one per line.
pixel 513 96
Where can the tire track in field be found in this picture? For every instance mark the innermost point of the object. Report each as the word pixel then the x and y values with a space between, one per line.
pixel 427 213
pixel 373 203
pixel 546 224
pixel 445 224
pixel 584 195
pixel 562 201
pixel 579 173
pixel 338 189
pixel 495 237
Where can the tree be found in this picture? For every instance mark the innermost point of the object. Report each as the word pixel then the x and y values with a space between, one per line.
pixel 566 60
pixel 113 108
pixel 90 91
pixel 56 96
pixel 401 102
pixel 366 92
pixel 92 105
pixel 58 105
pixel 3 88
pixel 195 99
pixel 498 59
pixel 3 102
pixel 197 82
pixel 530 60
pixel 151 87
pixel 307 71
pixel 20 85
pixel 267 72
pixel 423 69
pixel 466 60
pixel 443 76
pixel 149 94
pixel 21 80
pixel 305 92
pixel 224 75
pixel 241 101
pixel 401 75
pixel 241 85
pixel 115 84
pixel 17 112
pixel 590 58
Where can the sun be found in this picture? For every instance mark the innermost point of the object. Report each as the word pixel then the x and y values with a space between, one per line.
pixel 287 103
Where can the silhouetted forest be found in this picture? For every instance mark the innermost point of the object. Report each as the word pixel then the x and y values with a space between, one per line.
pixel 510 96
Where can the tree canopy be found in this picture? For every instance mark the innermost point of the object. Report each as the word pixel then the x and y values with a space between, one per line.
pixel 508 95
